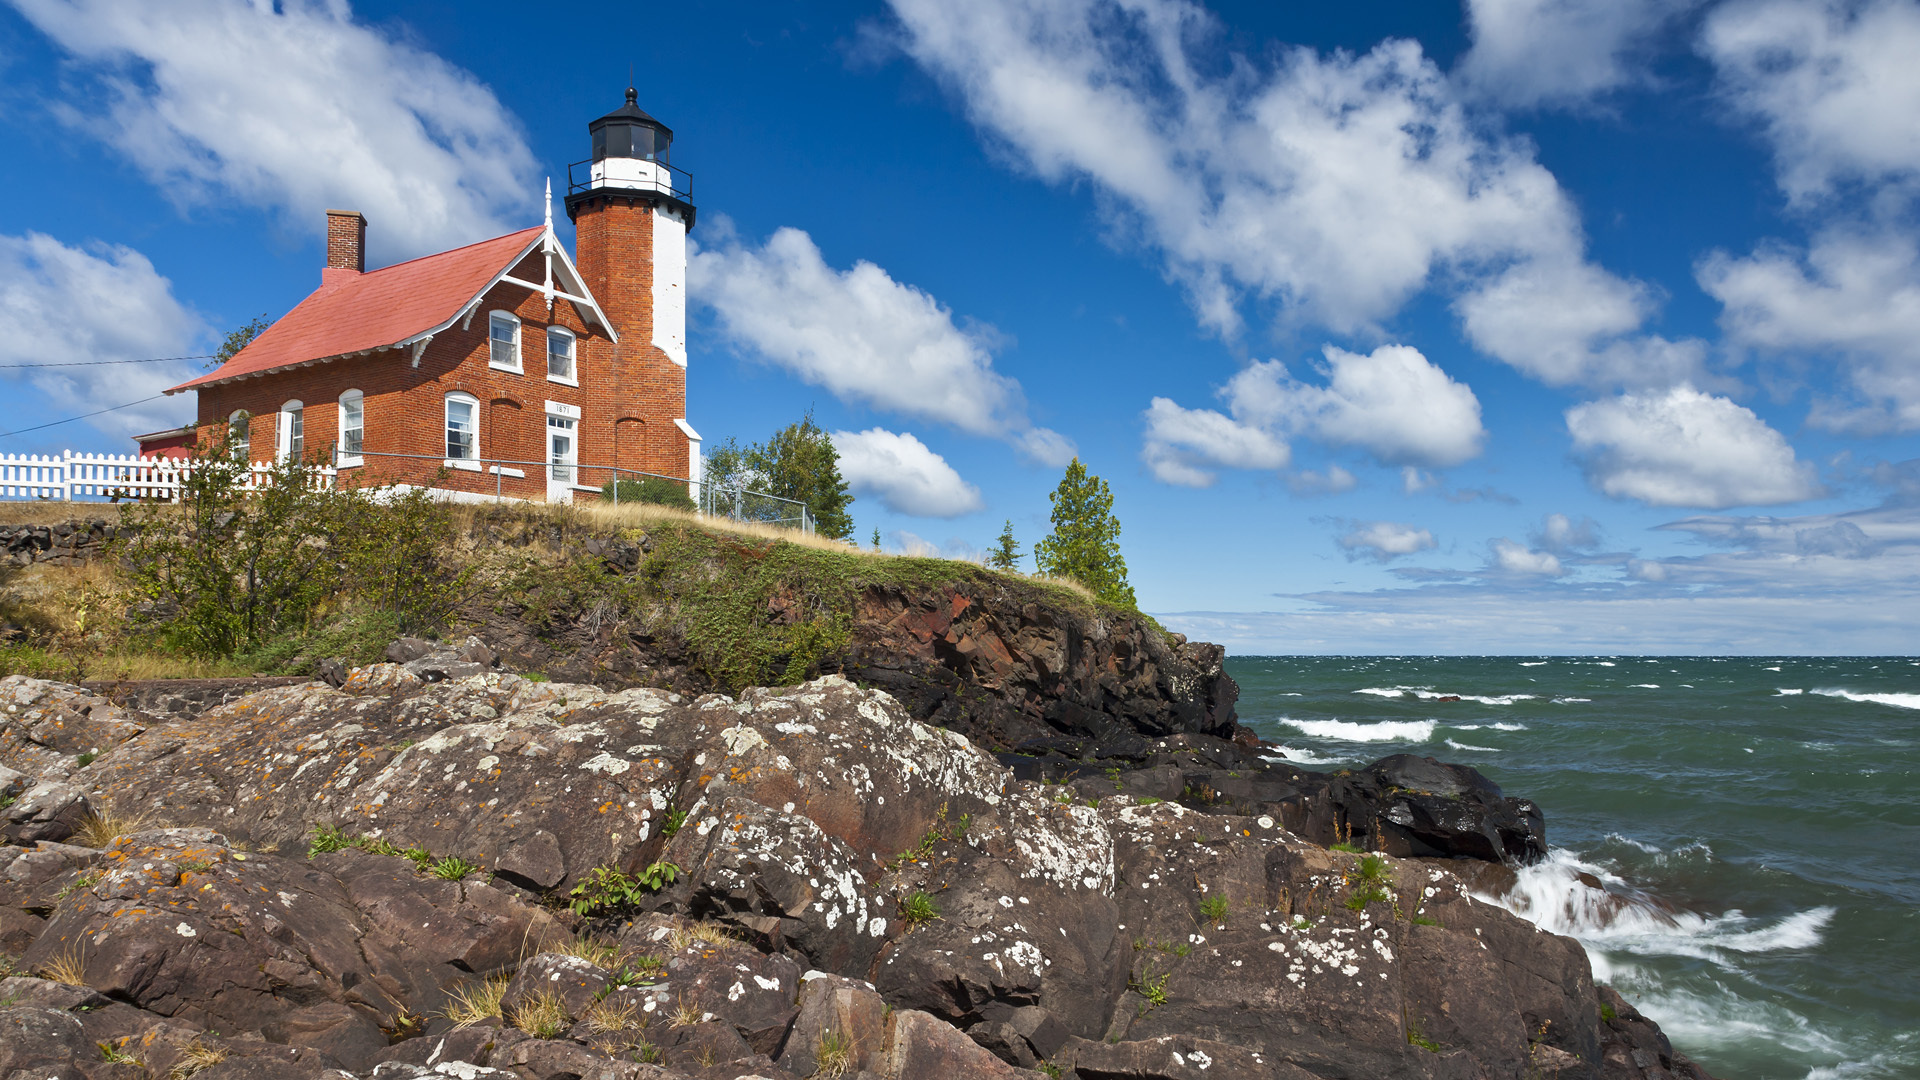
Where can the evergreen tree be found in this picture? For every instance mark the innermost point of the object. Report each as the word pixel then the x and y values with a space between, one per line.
pixel 1085 542
pixel 876 538
pixel 1005 554
pixel 237 340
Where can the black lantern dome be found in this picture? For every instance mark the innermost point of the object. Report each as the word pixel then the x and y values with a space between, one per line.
pixel 628 132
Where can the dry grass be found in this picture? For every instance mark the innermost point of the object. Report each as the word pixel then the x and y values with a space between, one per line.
pixel 543 1016
pixel 701 933
pixel 51 512
pixel 607 1017
pixel 100 830
pixel 594 951
pixel 637 515
pixel 69 968
pixel 834 1057
pixel 687 1012
pixel 129 666
pixel 474 1002
pixel 195 1057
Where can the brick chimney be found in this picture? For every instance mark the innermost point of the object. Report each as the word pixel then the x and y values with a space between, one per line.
pixel 346 241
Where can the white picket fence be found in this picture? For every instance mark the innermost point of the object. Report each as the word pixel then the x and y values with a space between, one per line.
pixel 72 477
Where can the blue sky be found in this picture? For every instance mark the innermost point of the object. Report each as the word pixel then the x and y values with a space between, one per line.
pixel 1520 326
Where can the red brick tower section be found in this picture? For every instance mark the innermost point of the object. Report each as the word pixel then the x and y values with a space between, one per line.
pixel 629 202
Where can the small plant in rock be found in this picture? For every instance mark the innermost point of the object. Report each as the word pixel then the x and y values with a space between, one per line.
pixel 675 819
pixel 113 1055
pixel 1150 986
pixel 1048 1068
pixel 452 868
pixel 609 887
pixel 1213 909
pixel 687 1013
pixel 918 908
pixel 645 966
pixel 1422 920
pixel 1149 800
pixel 327 839
pixel 88 757
pixel 84 881
pixel 1345 848
pixel 598 953
pixel 1415 1038
pixel 196 1057
pixel 1607 1013
pixel 608 1017
pixel 648 1054
pixel 834 1057
pixel 474 1002
pixel 542 1015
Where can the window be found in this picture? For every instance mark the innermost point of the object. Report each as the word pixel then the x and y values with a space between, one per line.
pixel 463 435
pixel 239 434
pixel 292 433
pixel 353 426
pixel 560 355
pixel 503 342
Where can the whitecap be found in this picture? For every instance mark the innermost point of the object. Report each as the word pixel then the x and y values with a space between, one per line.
pixel 1495 699
pixel 1534 663
pixel 1470 746
pixel 1345 731
pixel 1770 669
pixel 1379 691
pixel 1783 692
pixel 1571 700
pixel 1603 663
pixel 1646 686
pixel 1898 701
pixel 1494 727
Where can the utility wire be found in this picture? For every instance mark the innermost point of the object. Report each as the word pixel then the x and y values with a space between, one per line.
pixel 82 416
pixel 92 363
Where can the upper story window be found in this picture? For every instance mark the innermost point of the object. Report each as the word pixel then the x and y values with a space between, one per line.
pixel 353 425
pixel 503 341
pixel 292 433
pixel 240 434
pixel 560 359
pixel 463 428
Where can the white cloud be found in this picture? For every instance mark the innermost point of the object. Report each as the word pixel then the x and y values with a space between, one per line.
pixel 902 542
pixel 865 337
pixel 1392 403
pixel 1833 83
pixel 295 107
pixel 1853 294
pixel 1519 559
pixel 1559 52
pixel 102 302
pixel 1384 541
pixel 1562 535
pixel 1683 447
pixel 905 475
pixel 1567 322
pixel 1332 186
pixel 1331 482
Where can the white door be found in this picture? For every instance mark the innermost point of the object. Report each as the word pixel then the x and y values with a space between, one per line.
pixel 562 458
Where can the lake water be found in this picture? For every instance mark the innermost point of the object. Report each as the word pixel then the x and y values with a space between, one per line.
pixel 1768 804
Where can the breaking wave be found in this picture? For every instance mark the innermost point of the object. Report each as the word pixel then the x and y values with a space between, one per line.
pixel 1470 746
pixel 1425 694
pixel 1346 731
pixel 1898 701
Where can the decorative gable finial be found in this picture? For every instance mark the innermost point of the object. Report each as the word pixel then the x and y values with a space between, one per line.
pixel 549 204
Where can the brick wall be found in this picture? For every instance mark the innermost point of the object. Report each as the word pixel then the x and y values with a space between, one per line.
pixel 346 241
pixel 628 395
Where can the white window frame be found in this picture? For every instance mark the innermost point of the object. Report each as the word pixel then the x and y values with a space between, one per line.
pixel 471 462
pixel 573 356
pixel 343 457
pixel 517 367
pixel 240 434
pixel 292 415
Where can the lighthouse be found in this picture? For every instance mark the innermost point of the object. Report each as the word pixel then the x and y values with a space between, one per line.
pixel 631 209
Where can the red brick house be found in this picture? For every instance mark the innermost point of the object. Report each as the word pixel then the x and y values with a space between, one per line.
pixel 501 366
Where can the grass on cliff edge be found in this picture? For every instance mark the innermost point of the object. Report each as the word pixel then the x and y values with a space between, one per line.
pixel 757 606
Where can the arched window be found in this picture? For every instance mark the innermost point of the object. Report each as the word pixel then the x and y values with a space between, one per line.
pixel 503 341
pixel 353 427
pixel 463 431
pixel 291 433
pixel 560 356
pixel 240 434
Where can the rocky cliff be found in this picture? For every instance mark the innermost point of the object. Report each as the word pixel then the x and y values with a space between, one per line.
pixel 439 869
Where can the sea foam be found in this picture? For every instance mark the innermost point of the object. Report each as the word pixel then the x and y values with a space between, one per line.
pixel 1425 694
pixel 1346 731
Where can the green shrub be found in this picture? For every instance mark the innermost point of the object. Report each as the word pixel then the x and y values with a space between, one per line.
pixel 609 888
pixel 1214 909
pixel 653 490
pixel 918 907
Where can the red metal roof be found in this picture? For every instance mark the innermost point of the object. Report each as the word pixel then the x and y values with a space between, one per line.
pixel 355 313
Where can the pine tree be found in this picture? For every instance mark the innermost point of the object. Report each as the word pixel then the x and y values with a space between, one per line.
pixel 1085 542
pixel 876 538
pixel 1005 554
pixel 798 462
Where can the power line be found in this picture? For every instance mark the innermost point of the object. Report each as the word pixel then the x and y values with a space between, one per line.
pixel 82 416
pixel 92 363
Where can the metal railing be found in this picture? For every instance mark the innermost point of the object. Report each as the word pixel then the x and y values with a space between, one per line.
pixel 79 477
pixel 673 182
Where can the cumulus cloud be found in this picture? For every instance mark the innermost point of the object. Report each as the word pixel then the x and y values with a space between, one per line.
pixel 1567 322
pixel 1519 559
pixel 1331 186
pixel 96 302
pixel 1853 295
pixel 296 107
pixel 1331 482
pixel 1562 535
pixel 1383 541
pixel 865 337
pixel 905 475
pixel 1560 52
pixel 1683 447
pixel 1832 83
pixel 1393 404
